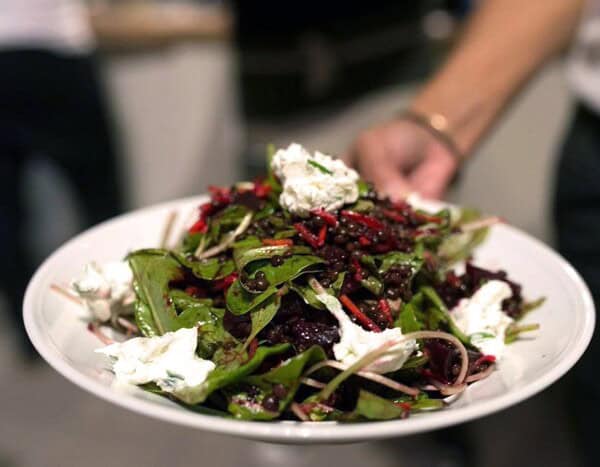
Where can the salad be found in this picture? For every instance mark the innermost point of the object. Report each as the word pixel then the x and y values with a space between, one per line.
pixel 307 296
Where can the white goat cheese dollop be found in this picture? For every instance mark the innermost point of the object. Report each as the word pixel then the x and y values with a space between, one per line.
pixel 169 360
pixel 355 342
pixel 313 181
pixel 482 319
pixel 106 289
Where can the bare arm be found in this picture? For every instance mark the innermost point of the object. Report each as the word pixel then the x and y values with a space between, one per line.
pixel 147 25
pixel 503 44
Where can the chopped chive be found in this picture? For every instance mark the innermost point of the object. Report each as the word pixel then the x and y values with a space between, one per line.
pixel 322 168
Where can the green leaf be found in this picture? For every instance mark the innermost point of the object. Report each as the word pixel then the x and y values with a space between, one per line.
pixel 373 407
pixel 190 242
pixel 413 260
pixel 287 375
pixel 373 285
pixel 226 220
pixel 310 297
pixel 527 307
pixel 153 270
pixel 459 246
pixel 263 315
pixel 363 188
pixel 287 233
pixel 321 167
pixel 407 320
pixel 207 269
pixel 362 206
pixel 144 319
pixel 240 301
pixel 271 179
pixel 434 298
pixel 197 312
pixel 244 258
pixel 224 375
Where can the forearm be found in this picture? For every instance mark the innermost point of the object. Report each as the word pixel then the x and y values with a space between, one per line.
pixel 142 25
pixel 503 44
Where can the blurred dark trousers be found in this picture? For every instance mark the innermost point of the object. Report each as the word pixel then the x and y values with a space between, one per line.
pixel 51 105
pixel 577 219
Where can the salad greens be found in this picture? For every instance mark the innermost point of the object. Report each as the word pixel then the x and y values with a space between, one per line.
pixel 258 282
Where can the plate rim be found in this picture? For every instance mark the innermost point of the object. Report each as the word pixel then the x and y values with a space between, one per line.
pixel 302 432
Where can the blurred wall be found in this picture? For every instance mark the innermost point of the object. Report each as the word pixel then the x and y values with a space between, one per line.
pixel 176 108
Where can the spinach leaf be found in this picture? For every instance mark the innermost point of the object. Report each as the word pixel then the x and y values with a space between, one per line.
pixel 373 407
pixel 240 301
pixel 224 375
pixel 262 316
pixel 207 269
pixel 226 220
pixel 153 270
pixel 266 252
pixel 144 319
pixel 286 375
pixel 191 241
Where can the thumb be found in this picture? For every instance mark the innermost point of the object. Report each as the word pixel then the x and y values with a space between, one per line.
pixel 376 167
pixel 432 177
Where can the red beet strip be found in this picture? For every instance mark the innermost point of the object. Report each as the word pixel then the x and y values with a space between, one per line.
pixel 384 306
pixel 363 219
pixel 328 217
pixel 277 241
pixel 359 315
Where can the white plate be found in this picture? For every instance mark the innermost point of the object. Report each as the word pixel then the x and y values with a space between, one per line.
pixel 57 328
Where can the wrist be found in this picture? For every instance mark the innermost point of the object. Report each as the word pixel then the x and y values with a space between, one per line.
pixel 437 125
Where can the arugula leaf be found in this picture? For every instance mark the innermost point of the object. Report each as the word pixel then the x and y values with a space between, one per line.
pixel 309 295
pixel 373 285
pixel 153 270
pixel 396 258
pixel 459 246
pixel 407 320
pixel 224 375
pixel 434 298
pixel 530 306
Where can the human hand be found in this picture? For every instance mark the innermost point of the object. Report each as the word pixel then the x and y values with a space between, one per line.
pixel 401 157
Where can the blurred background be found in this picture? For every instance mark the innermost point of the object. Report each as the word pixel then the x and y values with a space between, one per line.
pixel 114 105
